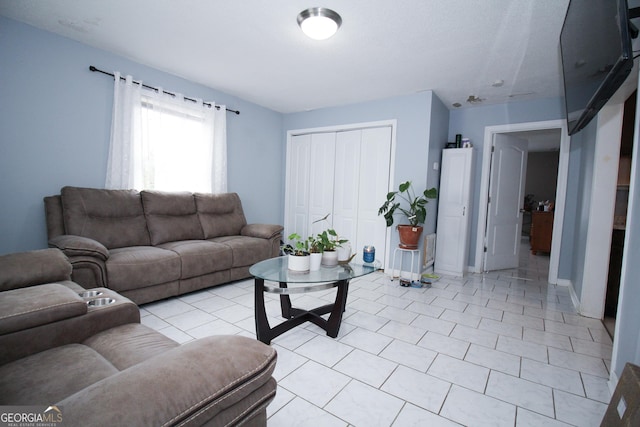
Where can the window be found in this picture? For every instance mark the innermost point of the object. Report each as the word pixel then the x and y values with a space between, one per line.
pixel 162 142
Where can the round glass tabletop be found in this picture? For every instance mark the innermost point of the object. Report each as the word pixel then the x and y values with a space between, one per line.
pixel 276 270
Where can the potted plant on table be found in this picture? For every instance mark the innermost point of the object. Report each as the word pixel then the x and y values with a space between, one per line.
pixel 414 209
pixel 315 250
pixel 298 252
pixel 330 242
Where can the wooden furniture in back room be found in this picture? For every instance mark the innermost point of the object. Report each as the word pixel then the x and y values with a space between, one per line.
pixel 541 231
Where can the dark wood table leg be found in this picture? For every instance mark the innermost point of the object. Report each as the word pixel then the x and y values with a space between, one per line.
pixel 285 303
pixel 262 323
pixel 335 318
pixel 296 316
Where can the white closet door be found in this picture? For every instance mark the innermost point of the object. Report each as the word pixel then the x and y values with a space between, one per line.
pixel 297 194
pixel 344 174
pixel 375 164
pixel 347 183
pixel 321 172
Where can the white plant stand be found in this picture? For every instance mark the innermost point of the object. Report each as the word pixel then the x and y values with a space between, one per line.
pixel 415 261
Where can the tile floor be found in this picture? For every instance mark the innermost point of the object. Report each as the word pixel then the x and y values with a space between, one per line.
pixel 499 349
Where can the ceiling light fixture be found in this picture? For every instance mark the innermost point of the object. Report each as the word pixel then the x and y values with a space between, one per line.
pixel 319 23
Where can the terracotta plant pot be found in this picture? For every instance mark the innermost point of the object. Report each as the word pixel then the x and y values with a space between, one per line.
pixel 409 236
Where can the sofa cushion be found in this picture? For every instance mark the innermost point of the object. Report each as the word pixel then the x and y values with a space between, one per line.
pixel 52 375
pixel 27 308
pixel 246 250
pixel 22 269
pixel 220 214
pixel 171 216
pixel 112 217
pixel 200 257
pixel 139 266
pixel 130 344
pixel 205 378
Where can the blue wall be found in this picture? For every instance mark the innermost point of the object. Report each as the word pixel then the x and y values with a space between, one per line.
pixel 437 141
pixel 581 172
pixel 471 123
pixel 55 118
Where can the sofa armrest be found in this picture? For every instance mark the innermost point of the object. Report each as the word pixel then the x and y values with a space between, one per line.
pixel 264 231
pixel 22 269
pixel 25 308
pixel 69 329
pixel 73 246
pixel 222 377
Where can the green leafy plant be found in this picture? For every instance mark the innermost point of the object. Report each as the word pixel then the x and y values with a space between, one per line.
pixel 329 240
pixel 297 247
pixel 315 245
pixel 405 201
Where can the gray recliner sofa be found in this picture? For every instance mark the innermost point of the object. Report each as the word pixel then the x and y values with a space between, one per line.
pixel 86 353
pixel 152 245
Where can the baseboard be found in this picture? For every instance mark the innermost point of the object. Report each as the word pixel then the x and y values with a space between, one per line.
pixel 572 292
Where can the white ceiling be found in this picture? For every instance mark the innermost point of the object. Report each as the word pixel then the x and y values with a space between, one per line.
pixel 254 49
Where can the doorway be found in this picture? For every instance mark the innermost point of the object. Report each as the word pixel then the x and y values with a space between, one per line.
pixel 529 130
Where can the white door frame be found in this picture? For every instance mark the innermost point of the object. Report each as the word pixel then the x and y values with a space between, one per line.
pixel 561 188
pixel 595 270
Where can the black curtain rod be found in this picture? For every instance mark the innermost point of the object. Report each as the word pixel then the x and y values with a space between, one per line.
pixel 92 68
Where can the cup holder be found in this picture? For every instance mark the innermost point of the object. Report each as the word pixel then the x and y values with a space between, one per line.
pixel 100 302
pixel 90 294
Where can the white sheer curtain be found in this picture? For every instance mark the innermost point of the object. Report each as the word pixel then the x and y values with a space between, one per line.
pixel 163 142
pixel 123 159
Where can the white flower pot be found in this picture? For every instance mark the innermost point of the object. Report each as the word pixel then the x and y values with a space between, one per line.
pixel 299 263
pixel 330 258
pixel 315 261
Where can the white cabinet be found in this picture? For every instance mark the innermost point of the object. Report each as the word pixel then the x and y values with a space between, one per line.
pixel 344 174
pixel 454 204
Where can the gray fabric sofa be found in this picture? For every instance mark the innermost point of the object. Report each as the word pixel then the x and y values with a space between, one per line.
pixel 152 245
pixel 100 366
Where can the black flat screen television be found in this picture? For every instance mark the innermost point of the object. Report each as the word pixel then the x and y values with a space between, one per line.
pixel 596 55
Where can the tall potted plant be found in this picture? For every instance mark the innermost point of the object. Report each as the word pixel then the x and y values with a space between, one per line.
pixel 414 209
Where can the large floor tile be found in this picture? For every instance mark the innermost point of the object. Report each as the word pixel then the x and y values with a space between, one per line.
pixel 459 372
pixel 577 410
pixel 300 413
pixel 413 416
pixel 362 405
pixel 522 393
pixel 475 409
pixel 366 367
pixel 422 390
pixel 315 383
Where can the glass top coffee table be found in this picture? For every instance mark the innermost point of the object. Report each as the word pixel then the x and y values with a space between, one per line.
pixel 293 282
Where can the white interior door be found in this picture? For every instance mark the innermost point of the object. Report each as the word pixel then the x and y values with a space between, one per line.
pixel 297 194
pixel 347 184
pixel 321 180
pixel 375 168
pixel 454 203
pixel 506 198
